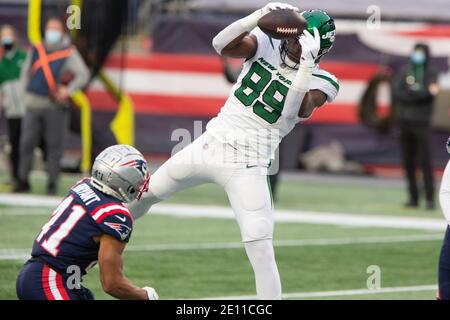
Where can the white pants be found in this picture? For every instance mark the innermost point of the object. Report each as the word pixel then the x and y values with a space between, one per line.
pixel 207 160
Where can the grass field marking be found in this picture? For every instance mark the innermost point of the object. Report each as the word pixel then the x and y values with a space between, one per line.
pixel 15 254
pixel 308 217
pixel 337 293
pixel 291 243
pixel 29 200
pixel 23 254
pixel 291 216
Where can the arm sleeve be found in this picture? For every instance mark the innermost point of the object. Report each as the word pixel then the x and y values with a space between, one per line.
pixel 76 64
pixel 234 30
pixel 444 194
pixel 115 221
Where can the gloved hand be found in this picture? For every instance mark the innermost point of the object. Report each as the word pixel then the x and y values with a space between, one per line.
pixel 278 6
pixel 151 293
pixel 310 47
pixel 251 20
pixel 300 85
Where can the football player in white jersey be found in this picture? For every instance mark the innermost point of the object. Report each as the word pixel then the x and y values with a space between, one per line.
pixel 280 85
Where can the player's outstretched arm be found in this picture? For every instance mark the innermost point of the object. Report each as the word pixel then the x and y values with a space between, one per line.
pixel 111 272
pixel 235 40
pixel 139 208
pixel 244 46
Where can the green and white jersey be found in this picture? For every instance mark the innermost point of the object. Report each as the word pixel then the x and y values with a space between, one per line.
pixel 251 119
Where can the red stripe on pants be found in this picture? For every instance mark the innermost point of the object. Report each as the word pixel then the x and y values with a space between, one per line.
pixel 46 284
pixel 60 287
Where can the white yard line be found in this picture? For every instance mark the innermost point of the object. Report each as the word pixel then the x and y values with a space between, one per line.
pixel 324 294
pixel 27 200
pixel 291 216
pixel 290 243
pixel 311 217
pixel 23 254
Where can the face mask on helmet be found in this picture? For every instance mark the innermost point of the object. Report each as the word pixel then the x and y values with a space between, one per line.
pixel 143 188
pixel 327 30
pixel 289 56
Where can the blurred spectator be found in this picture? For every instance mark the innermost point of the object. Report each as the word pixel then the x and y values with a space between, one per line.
pixel 414 88
pixel 52 72
pixel 11 92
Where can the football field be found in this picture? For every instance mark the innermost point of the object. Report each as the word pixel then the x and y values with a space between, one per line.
pixel 328 233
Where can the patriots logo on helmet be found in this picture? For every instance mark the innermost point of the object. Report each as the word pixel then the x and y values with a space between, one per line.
pixel 141 165
pixel 123 230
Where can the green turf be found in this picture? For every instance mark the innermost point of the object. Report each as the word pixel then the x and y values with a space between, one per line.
pixel 293 195
pixel 199 273
pixel 312 196
pixel 420 295
pixel 221 272
pixel 157 229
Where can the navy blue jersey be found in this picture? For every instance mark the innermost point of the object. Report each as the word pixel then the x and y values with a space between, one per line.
pixel 68 238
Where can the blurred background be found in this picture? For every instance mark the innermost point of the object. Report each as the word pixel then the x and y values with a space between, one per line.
pixel 153 70
pixel 159 54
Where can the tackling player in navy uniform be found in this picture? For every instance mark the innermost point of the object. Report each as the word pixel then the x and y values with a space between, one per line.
pixel 90 225
pixel 444 260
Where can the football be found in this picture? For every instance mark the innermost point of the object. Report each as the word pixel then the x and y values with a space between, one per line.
pixel 282 24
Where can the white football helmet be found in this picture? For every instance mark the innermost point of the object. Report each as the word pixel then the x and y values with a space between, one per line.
pixel 121 171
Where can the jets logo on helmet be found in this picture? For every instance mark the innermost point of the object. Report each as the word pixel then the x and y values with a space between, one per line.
pixel 330 35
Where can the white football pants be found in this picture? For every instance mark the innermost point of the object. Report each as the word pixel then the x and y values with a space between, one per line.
pixel 207 160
